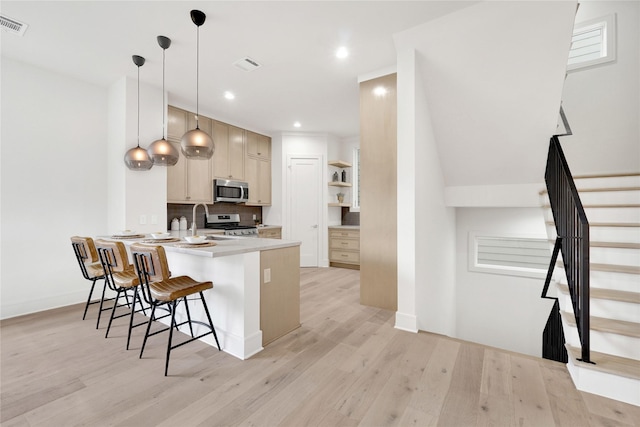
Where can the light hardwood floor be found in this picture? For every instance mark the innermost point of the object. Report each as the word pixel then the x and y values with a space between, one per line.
pixel 345 366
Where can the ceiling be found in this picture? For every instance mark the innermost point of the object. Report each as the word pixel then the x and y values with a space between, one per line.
pixel 300 79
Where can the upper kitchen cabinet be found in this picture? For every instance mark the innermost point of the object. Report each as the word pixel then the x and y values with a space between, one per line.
pixel 228 159
pixel 176 124
pixel 258 168
pixel 204 123
pixel 258 145
pixel 189 181
pixel 258 177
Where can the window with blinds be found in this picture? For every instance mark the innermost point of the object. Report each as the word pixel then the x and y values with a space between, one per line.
pixel 593 42
pixel 510 255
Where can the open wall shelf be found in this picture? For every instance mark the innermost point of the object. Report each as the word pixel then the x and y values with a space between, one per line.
pixel 339 163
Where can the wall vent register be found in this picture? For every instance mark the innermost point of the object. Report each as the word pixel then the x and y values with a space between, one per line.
pixel 511 255
pixel 12 25
pixel 593 43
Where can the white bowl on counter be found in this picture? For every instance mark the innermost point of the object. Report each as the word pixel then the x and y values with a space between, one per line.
pixel 195 239
pixel 160 235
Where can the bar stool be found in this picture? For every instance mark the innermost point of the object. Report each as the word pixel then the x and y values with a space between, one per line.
pixel 160 289
pixel 121 278
pixel 91 268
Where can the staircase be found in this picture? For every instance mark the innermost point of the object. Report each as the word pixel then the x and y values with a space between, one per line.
pixel 612 206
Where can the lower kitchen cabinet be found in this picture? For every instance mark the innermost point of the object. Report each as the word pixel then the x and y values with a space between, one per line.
pixel 344 247
pixel 279 292
pixel 270 232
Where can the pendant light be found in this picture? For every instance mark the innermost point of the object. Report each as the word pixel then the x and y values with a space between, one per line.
pixel 197 144
pixel 136 158
pixel 162 152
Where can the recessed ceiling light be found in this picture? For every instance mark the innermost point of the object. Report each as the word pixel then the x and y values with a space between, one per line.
pixel 380 91
pixel 229 95
pixel 342 52
pixel 297 125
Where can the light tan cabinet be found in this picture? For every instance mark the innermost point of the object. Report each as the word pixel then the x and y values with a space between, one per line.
pixel 280 293
pixel 176 124
pixel 189 181
pixel 258 169
pixel 270 233
pixel 258 145
pixel 344 247
pixel 239 155
pixel 229 157
pixel 258 176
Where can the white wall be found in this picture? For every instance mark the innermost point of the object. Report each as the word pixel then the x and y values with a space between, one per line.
pixel 426 226
pixel 135 196
pixel 64 141
pixel 54 142
pixel 602 103
pixel 498 310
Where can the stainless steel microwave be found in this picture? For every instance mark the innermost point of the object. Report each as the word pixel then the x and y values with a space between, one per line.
pixel 225 190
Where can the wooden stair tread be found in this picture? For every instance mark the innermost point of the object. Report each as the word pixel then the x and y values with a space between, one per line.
pixel 629 269
pixel 605 205
pixel 607 224
pixel 608 363
pixel 613 268
pixel 607 175
pixel 620 327
pixel 610 294
pixel 596 190
pixel 619 245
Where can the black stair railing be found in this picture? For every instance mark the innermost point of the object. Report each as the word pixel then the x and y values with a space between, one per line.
pixel 572 229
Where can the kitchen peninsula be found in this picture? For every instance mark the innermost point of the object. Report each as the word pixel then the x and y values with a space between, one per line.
pixel 256 288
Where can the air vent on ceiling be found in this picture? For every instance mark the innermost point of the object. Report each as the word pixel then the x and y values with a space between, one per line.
pixel 246 64
pixel 12 26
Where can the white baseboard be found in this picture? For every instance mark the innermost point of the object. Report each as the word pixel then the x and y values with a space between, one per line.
pixel 406 322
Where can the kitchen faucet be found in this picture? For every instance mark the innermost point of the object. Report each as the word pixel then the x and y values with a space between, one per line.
pixel 194 230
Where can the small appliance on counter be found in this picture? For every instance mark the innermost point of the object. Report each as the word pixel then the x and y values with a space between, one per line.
pixel 225 190
pixel 230 223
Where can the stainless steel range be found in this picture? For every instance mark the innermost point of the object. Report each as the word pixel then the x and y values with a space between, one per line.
pixel 230 223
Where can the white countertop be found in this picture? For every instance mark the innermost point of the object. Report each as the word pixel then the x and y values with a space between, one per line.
pixel 347 227
pixel 225 245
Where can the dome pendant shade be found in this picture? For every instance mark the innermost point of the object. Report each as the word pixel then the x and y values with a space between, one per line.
pixel 163 153
pixel 137 159
pixel 197 144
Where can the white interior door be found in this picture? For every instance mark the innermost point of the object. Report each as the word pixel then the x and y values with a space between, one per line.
pixel 305 199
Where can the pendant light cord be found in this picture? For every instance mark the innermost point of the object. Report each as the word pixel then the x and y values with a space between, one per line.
pixel 164 125
pixel 138 106
pixel 198 77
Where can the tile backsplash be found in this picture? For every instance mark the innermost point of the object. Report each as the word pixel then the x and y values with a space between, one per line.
pixel 350 218
pixel 175 210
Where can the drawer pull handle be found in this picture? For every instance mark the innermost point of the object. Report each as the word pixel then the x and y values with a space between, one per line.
pixel 344 255
pixel 344 243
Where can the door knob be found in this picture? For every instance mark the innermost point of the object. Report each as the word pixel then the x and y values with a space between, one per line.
pixel 314 226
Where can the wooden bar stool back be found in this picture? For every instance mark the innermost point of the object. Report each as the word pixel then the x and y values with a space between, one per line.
pixel 91 268
pixel 122 278
pixel 160 289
